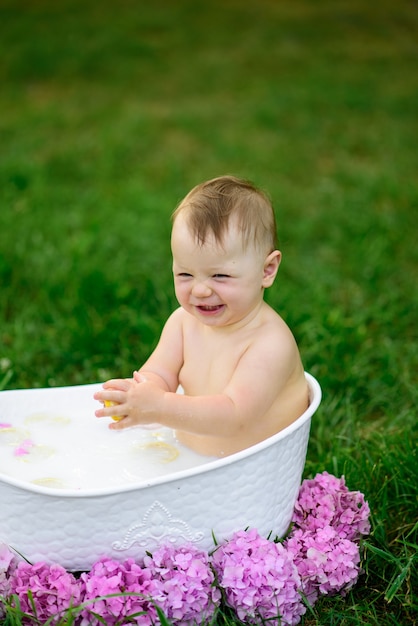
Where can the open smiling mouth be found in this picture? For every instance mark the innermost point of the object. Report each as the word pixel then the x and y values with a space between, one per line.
pixel 210 309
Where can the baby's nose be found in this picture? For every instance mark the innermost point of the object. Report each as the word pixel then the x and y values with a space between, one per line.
pixel 201 289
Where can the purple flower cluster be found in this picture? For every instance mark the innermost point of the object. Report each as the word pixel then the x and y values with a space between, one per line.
pixel 111 591
pixel 48 590
pixel 259 579
pixel 328 522
pixel 8 564
pixel 186 590
pixel 326 501
pixel 326 563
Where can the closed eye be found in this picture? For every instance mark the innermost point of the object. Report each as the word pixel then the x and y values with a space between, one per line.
pixel 221 276
pixel 184 275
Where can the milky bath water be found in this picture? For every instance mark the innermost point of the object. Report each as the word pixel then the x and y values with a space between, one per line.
pixel 57 442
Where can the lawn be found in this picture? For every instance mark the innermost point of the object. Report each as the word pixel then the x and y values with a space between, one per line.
pixel 111 111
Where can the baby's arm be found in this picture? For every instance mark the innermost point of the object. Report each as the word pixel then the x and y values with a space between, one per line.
pixel 161 369
pixel 164 364
pixel 259 378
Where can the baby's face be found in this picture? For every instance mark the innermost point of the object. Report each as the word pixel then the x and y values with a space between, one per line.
pixel 219 285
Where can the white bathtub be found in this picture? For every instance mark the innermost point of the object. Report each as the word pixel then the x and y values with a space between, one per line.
pixel 256 488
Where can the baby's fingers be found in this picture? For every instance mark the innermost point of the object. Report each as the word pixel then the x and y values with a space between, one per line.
pixel 111 395
pixel 109 403
pixel 121 423
pixel 110 409
pixel 112 401
pixel 121 384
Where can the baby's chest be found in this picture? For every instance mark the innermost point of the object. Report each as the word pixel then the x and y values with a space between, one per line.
pixel 208 366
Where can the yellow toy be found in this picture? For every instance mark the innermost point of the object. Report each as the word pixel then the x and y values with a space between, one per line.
pixel 107 403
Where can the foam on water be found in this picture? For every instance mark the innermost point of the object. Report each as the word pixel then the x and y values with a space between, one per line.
pixel 72 449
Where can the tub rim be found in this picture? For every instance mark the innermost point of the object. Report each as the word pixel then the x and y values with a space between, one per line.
pixel 315 396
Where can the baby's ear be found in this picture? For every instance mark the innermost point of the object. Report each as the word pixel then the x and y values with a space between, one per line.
pixel 271 266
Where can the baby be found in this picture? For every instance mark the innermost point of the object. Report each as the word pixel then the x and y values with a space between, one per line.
pixel 234 356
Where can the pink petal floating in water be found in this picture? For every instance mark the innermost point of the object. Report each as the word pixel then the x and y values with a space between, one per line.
pixel 20 451
pixel 24 448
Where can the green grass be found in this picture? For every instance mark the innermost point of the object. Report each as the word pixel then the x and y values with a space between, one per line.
pixel 111 112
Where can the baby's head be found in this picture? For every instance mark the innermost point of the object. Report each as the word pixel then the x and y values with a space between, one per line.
pixel 212 207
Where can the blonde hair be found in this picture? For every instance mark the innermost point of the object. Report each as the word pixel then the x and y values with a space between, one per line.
pixel 209 207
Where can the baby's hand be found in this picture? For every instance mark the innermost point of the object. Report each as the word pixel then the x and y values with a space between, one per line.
pixel 140 378
pixel 130 403
pixel 112 397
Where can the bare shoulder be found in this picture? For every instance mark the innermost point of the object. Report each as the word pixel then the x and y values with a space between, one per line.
pixel 177 316
pixel 274 329
pixel 276 347
pixel 279 354
pixel 175 322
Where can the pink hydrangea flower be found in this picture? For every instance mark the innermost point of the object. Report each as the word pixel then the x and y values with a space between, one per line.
pixel 326 562
pixel 259 579
pixel 130 590
pixel 52 588
pixel 186 590
pixel 326 501
pixel 8 563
